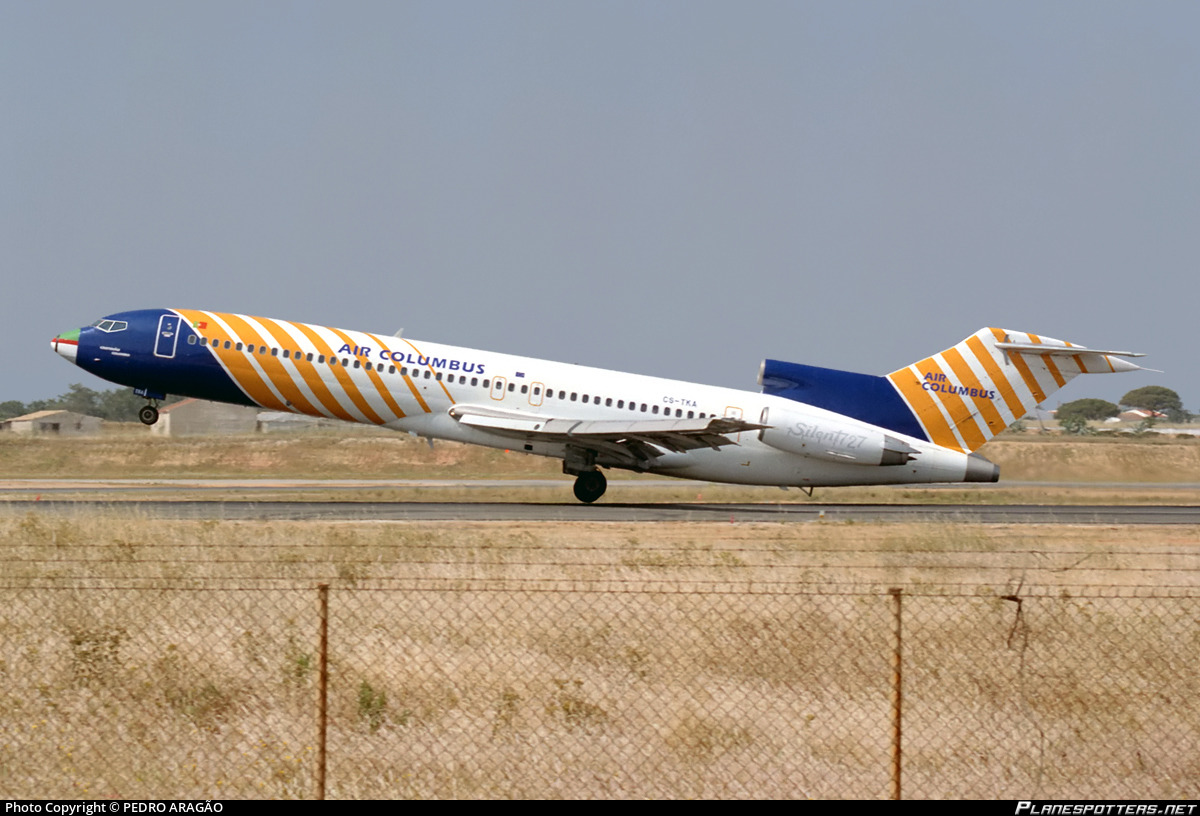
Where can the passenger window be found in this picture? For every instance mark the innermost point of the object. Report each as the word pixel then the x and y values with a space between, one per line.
pixel 574 396
pixel 608 402
pixel 391 369
pixel 691 414
pixel 487 384
pixel 191 339
pixel 239 346
pixel 562 394
pixel 595 400
pixel 643 407
pixel 320 358
pixel 274 352
pixel 308 357
pixel 427 374
pixel 439 376
pixel 286 354
pixel 524 389
pixel 474 381
pixel 654 410
pixel 537 392
pixel 620 403
pixel 512 387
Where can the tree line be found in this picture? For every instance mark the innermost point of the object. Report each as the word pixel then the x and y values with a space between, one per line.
pixel 1150 398
pixel 120 404
pixel 117 404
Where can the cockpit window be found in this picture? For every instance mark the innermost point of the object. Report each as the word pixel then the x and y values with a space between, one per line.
pixel 111 325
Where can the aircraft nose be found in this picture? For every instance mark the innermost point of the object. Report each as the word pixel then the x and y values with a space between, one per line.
pixel 66 344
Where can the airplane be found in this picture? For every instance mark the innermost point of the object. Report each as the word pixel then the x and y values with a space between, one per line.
pixel 807 427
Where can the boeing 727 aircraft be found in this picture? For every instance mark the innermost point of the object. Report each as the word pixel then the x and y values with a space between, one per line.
pixel 808 426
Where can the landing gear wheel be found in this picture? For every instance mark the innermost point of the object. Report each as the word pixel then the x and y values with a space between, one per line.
pixel 148 414
pixel 590 486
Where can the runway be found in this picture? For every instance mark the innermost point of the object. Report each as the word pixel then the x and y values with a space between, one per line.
pixel 322 499
pixel 251 510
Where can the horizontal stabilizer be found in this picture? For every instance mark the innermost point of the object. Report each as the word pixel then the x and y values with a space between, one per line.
pixel 1065 351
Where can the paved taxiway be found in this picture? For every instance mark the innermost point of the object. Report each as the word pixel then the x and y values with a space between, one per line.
pixel 249 510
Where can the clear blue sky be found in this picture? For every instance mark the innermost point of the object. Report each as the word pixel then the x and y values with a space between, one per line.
pixel 672 188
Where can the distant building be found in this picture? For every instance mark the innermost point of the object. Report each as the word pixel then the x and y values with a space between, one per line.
pixel 194 417
pixel 53 423
pixel 285 422
pixel 1138 415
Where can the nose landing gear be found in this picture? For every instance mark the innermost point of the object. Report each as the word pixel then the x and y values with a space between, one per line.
pixel 148 414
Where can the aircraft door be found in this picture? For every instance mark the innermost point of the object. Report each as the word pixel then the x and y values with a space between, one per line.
pixel 733 412
pixel 498 386
pixel 167 337
pixel 536 391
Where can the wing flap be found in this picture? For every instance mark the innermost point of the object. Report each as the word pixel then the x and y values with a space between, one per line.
pixel 644 439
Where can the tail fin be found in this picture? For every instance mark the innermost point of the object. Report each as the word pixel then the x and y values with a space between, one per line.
pixel 967 394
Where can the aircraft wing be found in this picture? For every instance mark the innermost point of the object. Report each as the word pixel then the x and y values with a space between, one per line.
pixel 629 442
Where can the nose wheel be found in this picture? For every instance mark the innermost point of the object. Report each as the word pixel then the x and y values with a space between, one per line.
pixel 148 414
pixel 590 485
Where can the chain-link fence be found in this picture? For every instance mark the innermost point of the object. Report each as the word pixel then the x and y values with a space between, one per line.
pixel 481 687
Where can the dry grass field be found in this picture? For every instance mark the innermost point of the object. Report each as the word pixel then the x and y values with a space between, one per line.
pixel 152 658
pixel 383 454
pixel 175 658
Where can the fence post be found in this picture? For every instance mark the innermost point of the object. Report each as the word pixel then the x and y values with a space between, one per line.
pixel 322 684
pixel 897 690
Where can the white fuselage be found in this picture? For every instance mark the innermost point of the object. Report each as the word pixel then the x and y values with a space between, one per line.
pixel 580 392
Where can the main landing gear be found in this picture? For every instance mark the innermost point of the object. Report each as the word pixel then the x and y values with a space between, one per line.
pixel 590 485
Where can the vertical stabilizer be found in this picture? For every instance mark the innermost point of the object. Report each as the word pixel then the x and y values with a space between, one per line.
pixel 967 394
